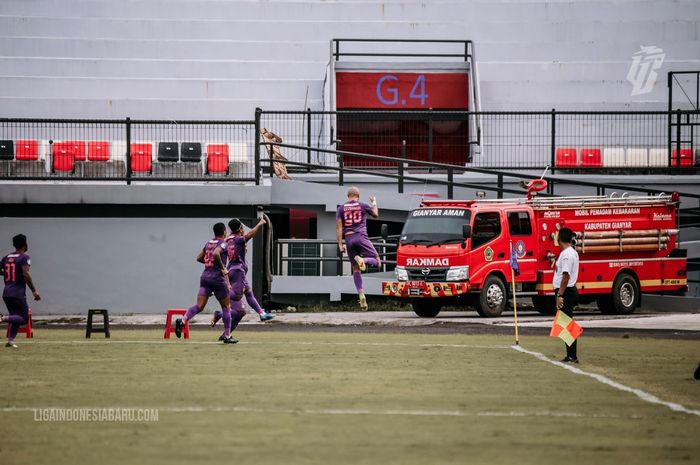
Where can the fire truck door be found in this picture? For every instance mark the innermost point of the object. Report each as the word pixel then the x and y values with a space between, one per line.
pixel 524 242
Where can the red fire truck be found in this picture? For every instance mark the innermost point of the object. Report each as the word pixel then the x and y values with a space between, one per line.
pixel 455 252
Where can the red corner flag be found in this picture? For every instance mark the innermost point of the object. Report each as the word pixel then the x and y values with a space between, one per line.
pixel 565 328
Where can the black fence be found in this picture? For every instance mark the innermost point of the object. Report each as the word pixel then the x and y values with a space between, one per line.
pixel 305 257
pixel 571 141
pixel 135 150
pixel 128 150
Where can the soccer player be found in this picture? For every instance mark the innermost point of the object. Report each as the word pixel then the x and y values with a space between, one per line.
pixel 214 280
pixel 237 270
pixel 15 270
pixel 564 283
pixel 351 223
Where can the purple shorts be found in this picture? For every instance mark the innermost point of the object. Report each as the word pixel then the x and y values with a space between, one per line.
pixel 359 244
pixel 216 286
pixel 239 282
pixel 17 306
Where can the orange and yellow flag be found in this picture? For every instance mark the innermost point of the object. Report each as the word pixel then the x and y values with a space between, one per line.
pixel 566 328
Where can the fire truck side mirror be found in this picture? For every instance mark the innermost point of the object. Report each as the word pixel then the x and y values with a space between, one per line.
pixel 466 231
pixel 384 231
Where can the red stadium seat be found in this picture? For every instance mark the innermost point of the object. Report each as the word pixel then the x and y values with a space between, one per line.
pixel 78 148
pixel 217 158
pixel 565 157
pixel 27 149
pixel 63 156
pixel 686 158
pixel 591 158
pixel 141 157
pixel 98 150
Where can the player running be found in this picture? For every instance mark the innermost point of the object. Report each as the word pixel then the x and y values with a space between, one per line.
pixel 213 281
pixel 15 270
pixel 237 270
pixel 351 223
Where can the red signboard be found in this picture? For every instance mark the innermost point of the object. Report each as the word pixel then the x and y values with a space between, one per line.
pixel 394 90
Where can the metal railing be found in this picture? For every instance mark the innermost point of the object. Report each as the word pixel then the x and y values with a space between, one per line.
pixel 385 249
pixel 127 150
pixel 648 142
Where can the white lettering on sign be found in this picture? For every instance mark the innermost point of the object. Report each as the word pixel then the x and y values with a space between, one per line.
pixel 607 226
pixel 551 214
pixel 621 264
pixel 439 212
pixel 662 216
pixel 427 262
pixel 607 211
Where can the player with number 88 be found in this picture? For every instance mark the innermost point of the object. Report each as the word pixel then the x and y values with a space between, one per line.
pixel 351 224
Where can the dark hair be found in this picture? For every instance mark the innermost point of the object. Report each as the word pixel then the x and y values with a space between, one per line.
pixel 19 241
pixel 566 235
pixel 219 229
pixel 234 225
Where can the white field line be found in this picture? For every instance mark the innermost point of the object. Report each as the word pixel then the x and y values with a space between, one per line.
pixel 347 412
pixel 187 342
pixel 645 396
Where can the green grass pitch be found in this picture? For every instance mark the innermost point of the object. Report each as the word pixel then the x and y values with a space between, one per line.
pixel 346 398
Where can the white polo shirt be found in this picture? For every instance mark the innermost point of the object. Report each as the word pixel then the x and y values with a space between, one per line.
pixel 566 263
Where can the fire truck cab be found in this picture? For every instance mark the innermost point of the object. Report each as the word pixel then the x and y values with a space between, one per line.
pixel 456 252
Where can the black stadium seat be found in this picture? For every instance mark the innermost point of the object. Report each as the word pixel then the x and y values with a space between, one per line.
pixel 167 151
pixel 191 152
pixel 7 150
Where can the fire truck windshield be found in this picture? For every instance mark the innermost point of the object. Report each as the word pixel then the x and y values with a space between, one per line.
pixel 434 226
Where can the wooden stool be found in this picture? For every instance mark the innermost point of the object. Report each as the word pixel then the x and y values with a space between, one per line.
pixel 26 328
pixel 169 323
pixel 105 326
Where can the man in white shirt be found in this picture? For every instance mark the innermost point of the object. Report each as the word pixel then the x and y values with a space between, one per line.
pixel 564 282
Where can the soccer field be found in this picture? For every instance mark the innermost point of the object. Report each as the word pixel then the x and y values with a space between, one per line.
pixel 347 398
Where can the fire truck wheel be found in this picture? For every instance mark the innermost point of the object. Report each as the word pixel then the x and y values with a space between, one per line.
pixel 624 299
pixel 493 298
pixel 426 308
pixel 545 305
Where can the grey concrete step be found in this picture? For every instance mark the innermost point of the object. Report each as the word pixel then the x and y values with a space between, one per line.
pixel 302 29
pixel 321 10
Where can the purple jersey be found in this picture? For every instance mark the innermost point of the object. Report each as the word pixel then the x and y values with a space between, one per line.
pixel 353 216
pixel 236 249
pixel 210 268
pixel 15 285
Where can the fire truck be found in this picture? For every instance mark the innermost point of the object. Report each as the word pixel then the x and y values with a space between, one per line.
pixel 454 252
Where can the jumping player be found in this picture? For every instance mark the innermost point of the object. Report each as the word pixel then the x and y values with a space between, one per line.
pixel 351 223
pixel 15 270
pixel 237 270
pixel 213 281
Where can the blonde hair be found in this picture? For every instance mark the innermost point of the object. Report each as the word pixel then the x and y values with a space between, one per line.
pixel 354 192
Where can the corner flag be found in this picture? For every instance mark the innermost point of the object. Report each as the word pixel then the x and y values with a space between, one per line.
pixel 565 328
pixel 514 261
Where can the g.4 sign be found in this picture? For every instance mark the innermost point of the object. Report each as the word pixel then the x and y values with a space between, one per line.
pixel 389 91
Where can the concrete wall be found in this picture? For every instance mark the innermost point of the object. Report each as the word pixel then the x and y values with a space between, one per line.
pixel 125 265
pixel 213 59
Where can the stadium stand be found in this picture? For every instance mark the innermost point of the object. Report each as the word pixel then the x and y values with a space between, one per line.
pixel 7 150
pixel 217 158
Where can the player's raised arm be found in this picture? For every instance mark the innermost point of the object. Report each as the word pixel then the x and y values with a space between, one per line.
pixel 28 279
pixel 375 208
pixel 250 234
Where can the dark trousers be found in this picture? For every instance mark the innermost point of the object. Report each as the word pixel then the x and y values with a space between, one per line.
pixel 570 301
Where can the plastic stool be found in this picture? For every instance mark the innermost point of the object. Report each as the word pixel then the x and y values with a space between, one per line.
pixel 105 326
pixel 26 329
pixel 169 323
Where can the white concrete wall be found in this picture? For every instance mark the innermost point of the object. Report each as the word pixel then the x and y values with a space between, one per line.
pixel 220 59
